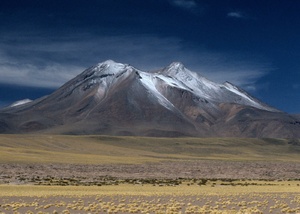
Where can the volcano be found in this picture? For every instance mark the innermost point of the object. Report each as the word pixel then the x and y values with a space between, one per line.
pixel 117 99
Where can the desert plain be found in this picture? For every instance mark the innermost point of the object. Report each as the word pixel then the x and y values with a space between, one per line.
pixel 104 174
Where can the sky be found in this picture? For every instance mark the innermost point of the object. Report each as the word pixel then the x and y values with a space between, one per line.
pixel 254 44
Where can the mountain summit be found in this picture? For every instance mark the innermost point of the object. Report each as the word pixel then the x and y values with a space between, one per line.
pixel 118 99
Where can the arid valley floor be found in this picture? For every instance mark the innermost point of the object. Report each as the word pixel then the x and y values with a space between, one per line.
pixel 103 174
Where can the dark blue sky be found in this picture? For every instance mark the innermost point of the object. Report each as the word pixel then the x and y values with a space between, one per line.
pixel 253 44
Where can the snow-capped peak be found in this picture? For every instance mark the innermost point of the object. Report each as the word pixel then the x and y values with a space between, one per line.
pixel 176 65
pixel 107 70
pixel 110 73
pixel 177 75
pixel 178 70
pixel 104 75
pixel 112 63
pixel 109 61
pixel 110 67
pixel 175 68
pixel 191 80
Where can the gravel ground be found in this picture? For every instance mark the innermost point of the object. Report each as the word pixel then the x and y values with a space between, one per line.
pixel 24 173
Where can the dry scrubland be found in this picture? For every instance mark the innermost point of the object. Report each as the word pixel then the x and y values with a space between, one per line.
pixel 282 197
pixel 102 174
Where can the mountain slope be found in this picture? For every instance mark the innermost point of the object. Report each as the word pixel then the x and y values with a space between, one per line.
pixel 118 99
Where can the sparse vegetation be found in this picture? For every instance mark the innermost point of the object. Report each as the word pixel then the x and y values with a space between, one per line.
pixel 283 197
pixel 103 174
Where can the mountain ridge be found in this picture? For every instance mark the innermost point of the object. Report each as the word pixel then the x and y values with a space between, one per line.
pixel 118 99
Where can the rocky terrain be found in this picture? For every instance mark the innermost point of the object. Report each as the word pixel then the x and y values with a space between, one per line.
pixel 163 172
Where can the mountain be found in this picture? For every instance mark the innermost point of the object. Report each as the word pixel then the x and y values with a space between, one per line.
pixel 118 99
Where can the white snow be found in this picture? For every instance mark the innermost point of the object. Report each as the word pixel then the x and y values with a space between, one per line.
pixel 172 82
pixel 176 75
pixel 108 73
pixel 111 67
pixel 234 89
pixel 20 102
pixel 148 80
pixel 181 77
pixel 198 85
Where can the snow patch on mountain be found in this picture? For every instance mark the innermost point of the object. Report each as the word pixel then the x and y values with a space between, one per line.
pixel 235 90
pixel 110 73
pixel 193 82
pixel 149 81
pixel 111 68
pixel 20 102
pixel 178 76
pixel 172 82
pixel 244 95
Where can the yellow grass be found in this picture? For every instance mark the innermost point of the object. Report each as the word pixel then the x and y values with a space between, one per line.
pixel 106 149
pixel 283 197
pixel 148 190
